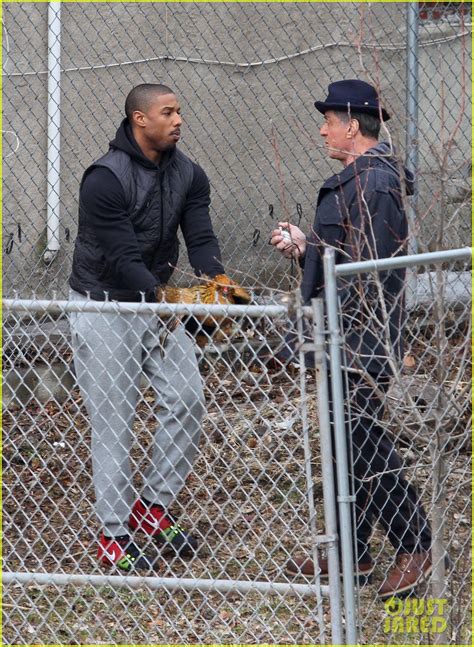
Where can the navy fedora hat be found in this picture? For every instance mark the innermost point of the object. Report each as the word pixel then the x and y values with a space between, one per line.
pixel 353 95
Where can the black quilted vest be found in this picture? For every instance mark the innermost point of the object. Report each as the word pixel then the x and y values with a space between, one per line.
pixel 155 201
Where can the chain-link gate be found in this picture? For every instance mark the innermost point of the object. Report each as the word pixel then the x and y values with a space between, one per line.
pixel 419 505
pixel 246 76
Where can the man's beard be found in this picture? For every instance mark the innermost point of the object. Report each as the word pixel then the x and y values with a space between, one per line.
pixel 168 148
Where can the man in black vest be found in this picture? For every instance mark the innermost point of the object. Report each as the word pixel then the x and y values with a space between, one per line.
pixel 131 203
pixel 360 214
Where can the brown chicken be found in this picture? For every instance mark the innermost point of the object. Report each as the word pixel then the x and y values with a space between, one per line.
pixel 220 290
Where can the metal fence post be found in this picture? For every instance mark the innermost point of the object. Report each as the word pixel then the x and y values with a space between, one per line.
pixel 344 498
pixel 307 464
pixel 412 143
pixel 54 132
pixel 330 508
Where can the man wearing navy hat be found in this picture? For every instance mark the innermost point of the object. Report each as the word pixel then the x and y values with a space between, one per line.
pixel 360 214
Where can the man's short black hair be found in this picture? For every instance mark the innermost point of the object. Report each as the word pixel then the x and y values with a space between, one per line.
pixel 369 125
pixel 142 95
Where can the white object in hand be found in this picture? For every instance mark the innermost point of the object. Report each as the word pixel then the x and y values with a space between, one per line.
pixel 285 234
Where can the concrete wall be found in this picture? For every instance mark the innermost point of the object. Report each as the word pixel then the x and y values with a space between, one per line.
pixel 233 114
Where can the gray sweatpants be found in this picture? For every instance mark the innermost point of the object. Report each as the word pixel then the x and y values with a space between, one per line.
pixel 111 352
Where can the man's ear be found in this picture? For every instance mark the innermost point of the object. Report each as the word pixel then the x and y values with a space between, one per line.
pixel 138 118
pixel 353 128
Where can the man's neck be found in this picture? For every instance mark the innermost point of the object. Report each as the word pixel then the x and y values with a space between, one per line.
pixel 150 153
pixel 360 147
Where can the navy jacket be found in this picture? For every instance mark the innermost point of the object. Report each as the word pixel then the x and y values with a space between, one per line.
pixel 360 212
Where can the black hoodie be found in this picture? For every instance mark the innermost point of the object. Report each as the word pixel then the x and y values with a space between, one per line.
pixel 103 199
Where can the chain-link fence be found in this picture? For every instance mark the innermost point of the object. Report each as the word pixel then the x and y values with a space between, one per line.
pixel 246 76
pixel 254 495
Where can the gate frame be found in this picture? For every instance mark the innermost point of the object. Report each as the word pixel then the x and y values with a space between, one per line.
pixel 331 274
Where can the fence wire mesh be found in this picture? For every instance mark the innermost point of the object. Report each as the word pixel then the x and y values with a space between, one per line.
pixel 247 76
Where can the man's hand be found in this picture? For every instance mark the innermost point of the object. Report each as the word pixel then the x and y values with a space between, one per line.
pixel 289 240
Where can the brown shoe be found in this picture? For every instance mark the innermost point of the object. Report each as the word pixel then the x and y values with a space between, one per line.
pixel 410 569
pixel 304 567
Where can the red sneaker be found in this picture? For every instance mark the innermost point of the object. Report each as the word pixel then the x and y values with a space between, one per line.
pixel 155 522
pixel 123 553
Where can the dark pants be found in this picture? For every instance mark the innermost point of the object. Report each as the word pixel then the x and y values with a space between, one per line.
pixel 381 490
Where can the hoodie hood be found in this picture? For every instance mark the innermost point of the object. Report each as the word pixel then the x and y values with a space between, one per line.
pixel 126 142
pixel 385 154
